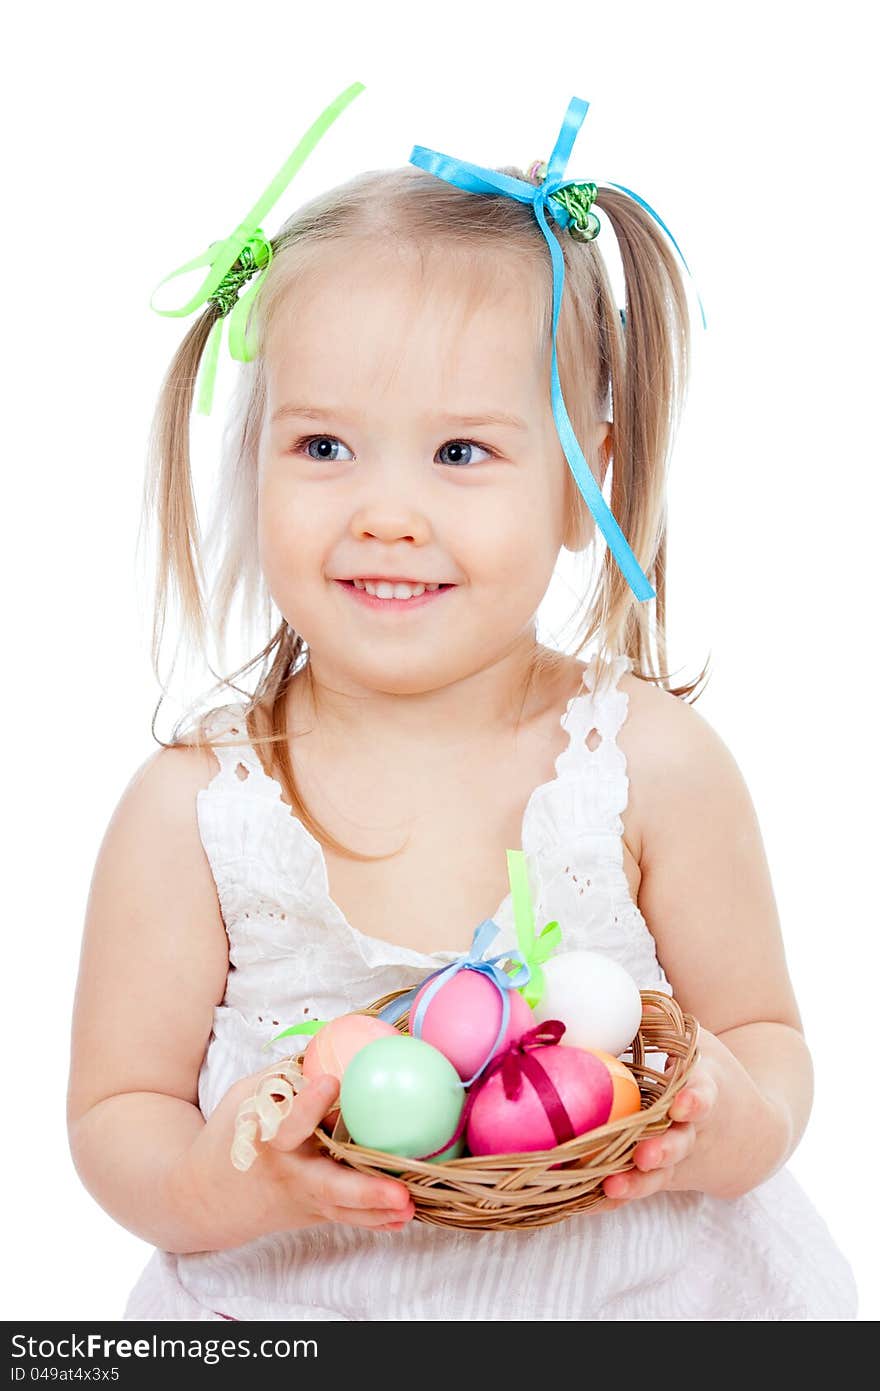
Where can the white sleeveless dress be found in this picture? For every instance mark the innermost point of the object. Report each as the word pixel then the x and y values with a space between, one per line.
pixel 683 1255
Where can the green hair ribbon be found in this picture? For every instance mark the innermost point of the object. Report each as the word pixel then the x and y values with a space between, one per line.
pixel 244 256
pixel 535 949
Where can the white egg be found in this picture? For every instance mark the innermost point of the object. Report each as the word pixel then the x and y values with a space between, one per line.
pixel 596 999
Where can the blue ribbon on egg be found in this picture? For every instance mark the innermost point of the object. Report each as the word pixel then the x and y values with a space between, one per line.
pixel 473 960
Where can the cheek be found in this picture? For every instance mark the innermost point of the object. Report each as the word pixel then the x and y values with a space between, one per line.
pixel 512 546
pixel 287 545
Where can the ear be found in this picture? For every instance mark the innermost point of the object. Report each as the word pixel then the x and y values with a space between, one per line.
pixel 579 533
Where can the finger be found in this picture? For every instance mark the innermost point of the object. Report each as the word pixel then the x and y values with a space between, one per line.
pixel 374 1217
pixel 662 1151
pixel 695 1101
pixel 332 1185
pixel 307 1111
pixel 634 1184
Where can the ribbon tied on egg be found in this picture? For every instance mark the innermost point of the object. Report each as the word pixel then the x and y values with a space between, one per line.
pixel 473 960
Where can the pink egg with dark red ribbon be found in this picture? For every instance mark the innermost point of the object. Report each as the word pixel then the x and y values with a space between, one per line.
pixel 499 1124
pixel 463 1018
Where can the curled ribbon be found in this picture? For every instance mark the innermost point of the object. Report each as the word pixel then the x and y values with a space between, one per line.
pixel 244 255
pixel 472 960
pixel 568 203
pixel 514 1063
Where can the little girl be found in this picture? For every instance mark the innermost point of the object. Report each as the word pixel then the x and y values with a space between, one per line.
pixel 404 465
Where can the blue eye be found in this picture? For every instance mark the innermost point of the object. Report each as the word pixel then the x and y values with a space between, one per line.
pixel 320 440
pixel 327 443
pixel 464 444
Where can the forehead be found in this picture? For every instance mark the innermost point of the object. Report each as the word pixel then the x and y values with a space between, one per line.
pixel 410 324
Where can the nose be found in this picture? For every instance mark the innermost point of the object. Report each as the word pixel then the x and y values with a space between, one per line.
pixel 390 521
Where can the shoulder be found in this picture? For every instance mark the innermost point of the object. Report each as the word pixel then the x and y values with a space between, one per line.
pixel 677 763
pixel 163 788
pixel 654 713
pixel 152 848
pixel 155 818
pixel 192 758
pixel 172 773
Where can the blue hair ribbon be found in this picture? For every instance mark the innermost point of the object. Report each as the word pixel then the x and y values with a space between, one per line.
pixel 546 198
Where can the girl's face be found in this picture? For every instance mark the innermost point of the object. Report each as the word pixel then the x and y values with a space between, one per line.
pixel 369 466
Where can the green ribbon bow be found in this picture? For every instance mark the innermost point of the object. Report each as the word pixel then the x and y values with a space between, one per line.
pixel 535 950
pixel 244 256
pixel 577 200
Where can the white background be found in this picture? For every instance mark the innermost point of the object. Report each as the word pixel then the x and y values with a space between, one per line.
pixel 136 136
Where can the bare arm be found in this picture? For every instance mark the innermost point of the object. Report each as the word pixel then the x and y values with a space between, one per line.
pixel 707 897
pixel 153 967
pixel 126 1149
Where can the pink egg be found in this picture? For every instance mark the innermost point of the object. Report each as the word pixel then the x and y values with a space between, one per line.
pixel 332 1048
pixel 463 1018
pixel 499 1126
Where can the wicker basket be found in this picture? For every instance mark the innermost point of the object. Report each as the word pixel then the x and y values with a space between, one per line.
pixel 510 1192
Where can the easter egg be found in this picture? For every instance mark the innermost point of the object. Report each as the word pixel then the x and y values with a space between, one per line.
pixel 463 1018
pixel 501 1125
pixel 401 1096
pixel 332 1048
pixel 596 999
pixel 627 1099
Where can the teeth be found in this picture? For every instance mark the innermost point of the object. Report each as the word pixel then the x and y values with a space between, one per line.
pixel 384 589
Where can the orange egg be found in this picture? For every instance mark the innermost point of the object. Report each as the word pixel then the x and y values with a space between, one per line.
pixel 627 1099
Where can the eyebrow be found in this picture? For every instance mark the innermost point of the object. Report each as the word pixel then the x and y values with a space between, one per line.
pixel 470 421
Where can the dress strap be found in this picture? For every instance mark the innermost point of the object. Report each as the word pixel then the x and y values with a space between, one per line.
pixel 594 719
pixel 227 729
pixel 583 805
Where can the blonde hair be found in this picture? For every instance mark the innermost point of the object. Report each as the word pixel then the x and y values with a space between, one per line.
pixel 636 377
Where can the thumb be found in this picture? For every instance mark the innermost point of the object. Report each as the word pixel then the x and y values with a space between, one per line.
pixel 309 1107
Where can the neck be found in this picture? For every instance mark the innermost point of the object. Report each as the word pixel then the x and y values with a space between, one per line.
pixel 451 718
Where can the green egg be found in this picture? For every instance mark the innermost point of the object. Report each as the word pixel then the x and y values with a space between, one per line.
pixel 402 1096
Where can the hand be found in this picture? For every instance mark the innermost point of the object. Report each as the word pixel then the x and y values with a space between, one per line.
pixel 256 1167
pixel 661 1160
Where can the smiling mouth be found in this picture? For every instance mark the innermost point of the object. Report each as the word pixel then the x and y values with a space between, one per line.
pixel 427 586
pixel 390 603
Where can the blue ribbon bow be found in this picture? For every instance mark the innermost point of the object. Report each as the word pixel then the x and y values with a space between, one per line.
pixel 470 961
pixel 546 198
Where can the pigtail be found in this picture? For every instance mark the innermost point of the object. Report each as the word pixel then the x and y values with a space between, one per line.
pixel 647 368
pixel 168 498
